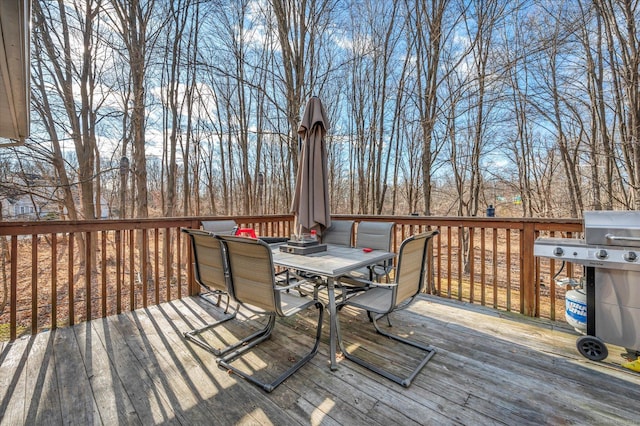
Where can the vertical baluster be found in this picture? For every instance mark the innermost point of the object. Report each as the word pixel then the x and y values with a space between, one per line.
pixel 156 257
pixel 103 271
pixel 87 273
pixel 34 284
pixel 119 270
pixel 496 235
pixel 54 281
pixel 71 278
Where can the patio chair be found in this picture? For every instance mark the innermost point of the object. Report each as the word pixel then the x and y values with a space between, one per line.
pixel 339 233
pixel 252 283
pixel 380 300
pixel 211 274
pixel 220 227
pixel 377 236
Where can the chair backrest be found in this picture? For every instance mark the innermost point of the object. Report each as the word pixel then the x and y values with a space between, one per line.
pixel 251 272
pixel 340 233
pixel 220 227
pixel 375 235
pixel 411 266
pixel 208 259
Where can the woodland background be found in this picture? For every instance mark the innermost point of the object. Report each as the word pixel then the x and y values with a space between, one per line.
pixel 443 107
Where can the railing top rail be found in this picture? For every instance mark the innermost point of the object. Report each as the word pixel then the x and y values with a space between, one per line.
pixel 56 226
pixel 567 224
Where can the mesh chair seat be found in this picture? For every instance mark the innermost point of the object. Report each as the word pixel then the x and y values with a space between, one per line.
pixel 291 305
pixel 375 299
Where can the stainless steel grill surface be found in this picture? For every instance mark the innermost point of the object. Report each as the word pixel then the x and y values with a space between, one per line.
pixel 610 253
pixel 578 251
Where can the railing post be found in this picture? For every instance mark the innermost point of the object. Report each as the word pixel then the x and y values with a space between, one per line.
pixel 527 265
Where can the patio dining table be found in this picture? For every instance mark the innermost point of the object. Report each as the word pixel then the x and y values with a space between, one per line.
pixel 330 264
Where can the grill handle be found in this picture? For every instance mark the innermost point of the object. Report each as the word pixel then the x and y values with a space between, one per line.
pixel 612 237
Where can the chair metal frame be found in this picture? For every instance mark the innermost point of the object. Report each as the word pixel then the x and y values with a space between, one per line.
pixel 379 300
pixel 252 282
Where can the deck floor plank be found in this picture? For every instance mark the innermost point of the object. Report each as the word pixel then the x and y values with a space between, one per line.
pixel 77 402
pixel 179 394
pixel 492 368
pixel 343 401
pixel 43 408
pixel 280 412
pixel 13 374
pixel 109 392
pixel 134 367
pixel 217 390
pixel 542 375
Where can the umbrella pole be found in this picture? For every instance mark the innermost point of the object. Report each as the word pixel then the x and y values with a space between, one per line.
pixel 297 229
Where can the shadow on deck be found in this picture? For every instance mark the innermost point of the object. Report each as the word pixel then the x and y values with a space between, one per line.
pixel 491 368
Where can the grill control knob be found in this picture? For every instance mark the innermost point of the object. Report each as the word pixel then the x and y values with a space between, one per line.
pixel 558 251
pixel 602 254
pixel 630 256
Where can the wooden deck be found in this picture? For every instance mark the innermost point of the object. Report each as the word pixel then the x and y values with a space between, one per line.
pixel 491 368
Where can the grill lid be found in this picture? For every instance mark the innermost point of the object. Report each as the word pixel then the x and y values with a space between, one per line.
pixel 613 228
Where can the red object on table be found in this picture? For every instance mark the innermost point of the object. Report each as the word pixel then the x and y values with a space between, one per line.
pixel 246 232
pixel 367 250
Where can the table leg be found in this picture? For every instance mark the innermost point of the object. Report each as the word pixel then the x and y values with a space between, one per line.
pixel 333 330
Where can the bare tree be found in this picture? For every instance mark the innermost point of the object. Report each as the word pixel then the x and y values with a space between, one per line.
pixel 171 101
pixel 132 18
pixel 300 27
pixel 421 96
pixel 535 160
pixel 70 73
pixel 428 27
pixel 620 18
pixel 75 80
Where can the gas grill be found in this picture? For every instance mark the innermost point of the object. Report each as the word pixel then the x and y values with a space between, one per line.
pixel 610 254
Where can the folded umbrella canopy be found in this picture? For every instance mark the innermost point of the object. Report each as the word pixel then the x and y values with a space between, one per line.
pixel 311 196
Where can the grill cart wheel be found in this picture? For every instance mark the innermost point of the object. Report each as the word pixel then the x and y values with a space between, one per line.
pixel 593 348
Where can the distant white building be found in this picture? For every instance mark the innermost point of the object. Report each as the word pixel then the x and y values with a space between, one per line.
pixel 18 204
pixel 25 207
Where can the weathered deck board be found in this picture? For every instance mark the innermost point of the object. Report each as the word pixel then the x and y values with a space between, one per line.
pixel 136 368
pixel 44 405
pixel 12 377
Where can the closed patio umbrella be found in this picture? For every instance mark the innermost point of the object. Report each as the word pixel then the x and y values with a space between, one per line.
pixel 311 196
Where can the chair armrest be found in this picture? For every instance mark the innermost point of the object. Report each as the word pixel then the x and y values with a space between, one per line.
pixel 384 285
pixel 366 283
pixel 381 270
pixel 348 280
pixel 292 286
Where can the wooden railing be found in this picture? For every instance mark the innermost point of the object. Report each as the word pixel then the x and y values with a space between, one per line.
pixel 59 273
